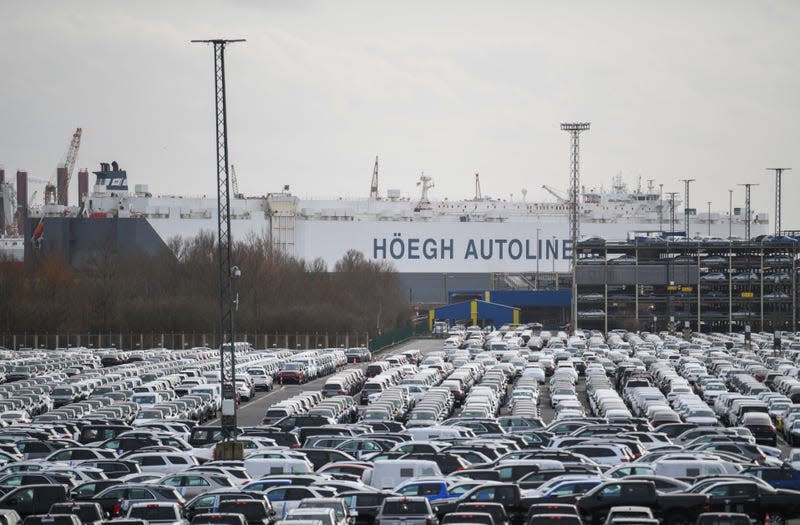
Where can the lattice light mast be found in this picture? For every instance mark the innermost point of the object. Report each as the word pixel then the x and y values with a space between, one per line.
pixel 747 187
pixel 672 211
pixel 574 129
pixel 228 448
pixel 686 207
pixel 778 174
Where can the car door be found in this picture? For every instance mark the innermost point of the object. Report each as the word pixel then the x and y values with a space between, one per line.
pixel 724 498
pixel 21 500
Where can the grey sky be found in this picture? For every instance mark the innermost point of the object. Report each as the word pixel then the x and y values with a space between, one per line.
pixel 707 90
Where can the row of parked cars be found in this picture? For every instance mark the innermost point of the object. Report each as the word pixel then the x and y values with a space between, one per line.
pixel 449 436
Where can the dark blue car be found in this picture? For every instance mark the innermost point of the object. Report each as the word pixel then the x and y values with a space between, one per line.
pixel 784 477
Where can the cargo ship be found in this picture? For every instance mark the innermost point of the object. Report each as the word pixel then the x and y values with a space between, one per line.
pixel 467 240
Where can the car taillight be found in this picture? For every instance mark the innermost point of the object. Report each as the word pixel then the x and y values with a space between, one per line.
pixel 115 510
pixel 377 522
pixel 428 521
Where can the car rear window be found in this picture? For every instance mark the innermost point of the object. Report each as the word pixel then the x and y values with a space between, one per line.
pixel 155 512
pixel 551 519
pixel 404 507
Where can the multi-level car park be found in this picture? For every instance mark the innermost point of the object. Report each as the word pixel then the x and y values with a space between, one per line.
pixel 514 426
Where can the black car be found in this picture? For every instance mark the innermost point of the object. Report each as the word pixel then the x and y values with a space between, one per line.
pixel 255 511
pixel 366 503
pixel 33 499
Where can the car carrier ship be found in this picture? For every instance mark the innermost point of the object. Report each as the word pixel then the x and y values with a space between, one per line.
pixel 424 238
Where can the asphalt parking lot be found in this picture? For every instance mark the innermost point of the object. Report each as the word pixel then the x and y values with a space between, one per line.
pixel 251 412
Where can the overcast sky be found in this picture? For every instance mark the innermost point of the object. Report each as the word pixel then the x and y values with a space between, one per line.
pixel 705 90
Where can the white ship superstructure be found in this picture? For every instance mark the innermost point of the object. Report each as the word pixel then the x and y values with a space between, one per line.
pixel 416 234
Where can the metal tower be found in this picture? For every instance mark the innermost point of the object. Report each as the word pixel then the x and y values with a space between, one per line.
pixel 686 207
pixel 575 129
pixel 747 209
pixel 373 188
pixel 227 272
pixel 778 173
pixel 672 211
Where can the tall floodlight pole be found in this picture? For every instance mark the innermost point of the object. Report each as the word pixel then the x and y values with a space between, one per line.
pixel 730 214
pixel 575 129
pixel 778 173
pixel 672 211
pixel 228 448
pixel 538 256
pixel 747 187
pixel 686 182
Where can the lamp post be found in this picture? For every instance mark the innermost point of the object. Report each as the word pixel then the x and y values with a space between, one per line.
pixel 653 313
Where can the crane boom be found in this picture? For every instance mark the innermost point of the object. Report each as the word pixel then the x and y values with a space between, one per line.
pixel 70 158
pixel 373 188
pixel 552 191
pixel 234 182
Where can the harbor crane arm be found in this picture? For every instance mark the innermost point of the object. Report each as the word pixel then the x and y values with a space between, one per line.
pixel 552 191
pixel 373 188
pixel 234 182
pixel 70 158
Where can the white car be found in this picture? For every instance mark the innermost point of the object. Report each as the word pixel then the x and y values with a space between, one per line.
pixel 163 462
pixel 261 379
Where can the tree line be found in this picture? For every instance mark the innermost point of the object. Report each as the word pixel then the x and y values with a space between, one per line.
pixel 179 292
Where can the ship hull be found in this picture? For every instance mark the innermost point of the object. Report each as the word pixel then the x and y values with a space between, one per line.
pixel 410 247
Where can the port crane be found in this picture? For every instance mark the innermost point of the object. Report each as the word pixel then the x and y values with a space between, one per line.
pixel 373 188
pixel 554 192
pixel 235 184
pixel 70 157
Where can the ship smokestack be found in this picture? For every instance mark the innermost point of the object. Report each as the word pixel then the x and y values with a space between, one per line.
pixel 62 190
pixel 2 174
pixel 22 199
pixel 83 185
